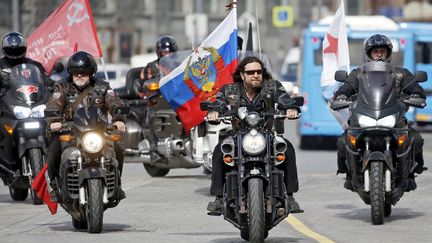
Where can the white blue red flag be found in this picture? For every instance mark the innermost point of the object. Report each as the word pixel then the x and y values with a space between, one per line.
pixel 203 73
pixel 335 57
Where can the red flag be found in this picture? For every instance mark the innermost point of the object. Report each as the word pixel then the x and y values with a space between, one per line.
pixel 71 24
pixel 41 188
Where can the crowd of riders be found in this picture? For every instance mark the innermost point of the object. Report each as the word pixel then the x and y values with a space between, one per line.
pixel 81 88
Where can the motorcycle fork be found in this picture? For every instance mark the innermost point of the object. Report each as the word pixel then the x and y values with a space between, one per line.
pixel 388 166
pixel 82 191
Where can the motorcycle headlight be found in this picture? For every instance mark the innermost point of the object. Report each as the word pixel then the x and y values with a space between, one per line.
pixel 252 119
pixel 388 121
pixel 92 142
pixel 22 112
pixel 38 111
pixel 253 142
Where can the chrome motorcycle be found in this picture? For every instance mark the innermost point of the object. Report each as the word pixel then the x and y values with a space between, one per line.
pixel 89 179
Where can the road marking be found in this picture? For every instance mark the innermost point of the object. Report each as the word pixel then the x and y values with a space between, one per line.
pixel 302 228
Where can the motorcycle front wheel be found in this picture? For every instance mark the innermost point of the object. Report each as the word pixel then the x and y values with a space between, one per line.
pixel 256 213
pixel 377 194
pixel 95 205
pixel 35 159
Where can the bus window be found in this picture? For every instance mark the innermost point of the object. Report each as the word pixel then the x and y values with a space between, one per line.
pixel 423 52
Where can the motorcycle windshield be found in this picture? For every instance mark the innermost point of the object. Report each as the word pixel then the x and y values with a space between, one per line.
pixel 377 90
pixel 90 118
pixel 26 85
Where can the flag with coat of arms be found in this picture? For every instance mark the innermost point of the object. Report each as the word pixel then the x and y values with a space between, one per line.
pixel 335 57
pixel 203 73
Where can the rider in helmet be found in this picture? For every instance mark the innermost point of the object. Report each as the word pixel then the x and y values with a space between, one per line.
pixel 79 89
pixel 164 46
pixel 14 49
pixel 379 48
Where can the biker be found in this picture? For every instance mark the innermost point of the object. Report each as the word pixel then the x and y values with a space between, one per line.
pixel 378 48
pixel 249 78
pixel 164 46
pixel 14 49
pixel 80 88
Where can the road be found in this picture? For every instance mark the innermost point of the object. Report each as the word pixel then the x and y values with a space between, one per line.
pixel 173 209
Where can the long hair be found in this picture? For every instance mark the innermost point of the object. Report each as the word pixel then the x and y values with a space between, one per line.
pixel 250 59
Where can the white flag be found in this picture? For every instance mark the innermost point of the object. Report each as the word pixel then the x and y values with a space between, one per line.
pixel 335 57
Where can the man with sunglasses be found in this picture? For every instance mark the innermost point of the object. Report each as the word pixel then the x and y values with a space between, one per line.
pixel 251 88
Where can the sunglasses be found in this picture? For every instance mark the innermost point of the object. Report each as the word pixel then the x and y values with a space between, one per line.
pixel 252 72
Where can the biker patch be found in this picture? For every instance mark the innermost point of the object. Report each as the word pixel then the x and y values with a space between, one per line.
pixel 56 95
pixel 110 92
pixel 28 89
pixel 26 73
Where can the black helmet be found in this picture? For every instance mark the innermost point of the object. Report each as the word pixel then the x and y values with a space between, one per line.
pixel 165 43
pixel 14 45
pixel 82 63
pixel 378 41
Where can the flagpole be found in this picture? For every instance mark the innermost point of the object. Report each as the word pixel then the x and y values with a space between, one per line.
pixel 193 35
pixel 104 68
pixel 258 31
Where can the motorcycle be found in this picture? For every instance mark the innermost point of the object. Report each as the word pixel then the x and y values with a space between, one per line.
pixel 23 146
pixel 150 116
pixel 379 141
pixel 89 179
pixel 255 198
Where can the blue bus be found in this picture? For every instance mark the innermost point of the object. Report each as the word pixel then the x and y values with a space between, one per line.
pixel 423 62
pixel 318 129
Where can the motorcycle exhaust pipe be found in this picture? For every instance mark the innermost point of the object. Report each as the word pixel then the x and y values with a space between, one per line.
pixel 366 181
pixel 177 145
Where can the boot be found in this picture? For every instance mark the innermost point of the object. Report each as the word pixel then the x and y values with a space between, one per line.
pixel 293 205
pixel 412 185
pixel 215 207
pixel 122 194
pixel 348 182
pixel 53 190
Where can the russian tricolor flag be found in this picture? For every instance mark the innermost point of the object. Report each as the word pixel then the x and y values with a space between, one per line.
pixel 203 73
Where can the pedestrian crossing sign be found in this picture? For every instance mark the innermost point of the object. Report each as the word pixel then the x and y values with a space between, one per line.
pixel 283 16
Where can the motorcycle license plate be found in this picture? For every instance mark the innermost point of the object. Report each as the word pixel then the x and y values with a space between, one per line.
pixel 31 125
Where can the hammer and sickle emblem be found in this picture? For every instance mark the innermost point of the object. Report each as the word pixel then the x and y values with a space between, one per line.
pixel 76 16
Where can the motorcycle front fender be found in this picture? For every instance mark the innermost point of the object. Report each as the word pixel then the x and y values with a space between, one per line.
pixel 375 156
pixel 90 173
pixel 32 143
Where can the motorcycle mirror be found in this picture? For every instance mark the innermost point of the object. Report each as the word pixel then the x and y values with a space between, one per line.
pixel 420 76
pixel 298 100
pixel 58 67
pixel 205 105
pixel 341 76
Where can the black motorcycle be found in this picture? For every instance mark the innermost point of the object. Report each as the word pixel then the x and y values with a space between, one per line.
pixel 379 141
pixel 89 178
pixel 255 198
pixel 22 131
